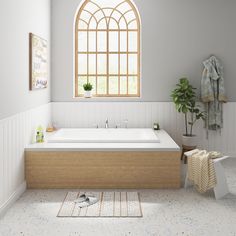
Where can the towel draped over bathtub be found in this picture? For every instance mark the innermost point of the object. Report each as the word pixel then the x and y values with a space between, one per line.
pixel 201 171
pixel 213 93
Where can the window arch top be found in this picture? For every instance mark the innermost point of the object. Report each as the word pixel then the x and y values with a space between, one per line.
pixel 108 11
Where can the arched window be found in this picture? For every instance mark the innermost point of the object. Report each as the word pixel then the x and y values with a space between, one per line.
pixel 107 48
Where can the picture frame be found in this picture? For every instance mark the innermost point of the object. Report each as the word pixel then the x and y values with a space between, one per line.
pixel 38 62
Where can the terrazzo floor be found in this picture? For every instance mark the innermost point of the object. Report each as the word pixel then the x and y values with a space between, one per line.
pixel 166 213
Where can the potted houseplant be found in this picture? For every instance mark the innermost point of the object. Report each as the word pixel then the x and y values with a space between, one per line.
pixel 184 97
pixel 87 90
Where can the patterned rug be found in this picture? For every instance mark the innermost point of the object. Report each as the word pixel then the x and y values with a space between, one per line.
pixel 110 204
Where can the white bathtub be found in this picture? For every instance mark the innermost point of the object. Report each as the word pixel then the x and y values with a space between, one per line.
pixel 104 136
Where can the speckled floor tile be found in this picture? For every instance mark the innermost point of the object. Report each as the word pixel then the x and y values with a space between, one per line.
pixel 166 213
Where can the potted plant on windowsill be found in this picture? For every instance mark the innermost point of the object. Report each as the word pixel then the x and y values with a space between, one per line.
pixel 184 97
pixel 88 90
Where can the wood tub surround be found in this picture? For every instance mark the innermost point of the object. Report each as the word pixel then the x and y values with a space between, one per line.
pixel 102 169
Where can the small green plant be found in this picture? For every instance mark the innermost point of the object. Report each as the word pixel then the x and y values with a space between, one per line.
pixel 88 87
pixel 184 97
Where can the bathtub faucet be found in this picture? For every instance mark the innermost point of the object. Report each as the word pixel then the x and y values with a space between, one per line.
pixel 106 124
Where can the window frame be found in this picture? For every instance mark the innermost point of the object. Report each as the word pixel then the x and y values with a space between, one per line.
pixel 107 74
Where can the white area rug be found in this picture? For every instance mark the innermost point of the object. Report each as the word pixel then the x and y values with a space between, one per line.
pixel 110 204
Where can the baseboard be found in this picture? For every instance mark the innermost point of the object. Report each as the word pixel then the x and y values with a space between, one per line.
pixel 19 191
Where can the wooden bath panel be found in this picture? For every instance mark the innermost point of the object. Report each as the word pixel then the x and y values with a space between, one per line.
pixel 102 169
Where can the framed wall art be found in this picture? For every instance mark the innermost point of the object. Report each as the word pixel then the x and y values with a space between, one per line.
pixel 38 62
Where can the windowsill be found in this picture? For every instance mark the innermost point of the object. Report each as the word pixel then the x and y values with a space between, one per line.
pixel 107 99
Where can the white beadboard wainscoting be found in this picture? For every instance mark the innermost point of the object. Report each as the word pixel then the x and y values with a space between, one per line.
pixel 143 115
pixel 15 133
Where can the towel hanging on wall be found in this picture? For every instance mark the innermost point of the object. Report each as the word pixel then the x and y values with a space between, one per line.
pixel 213 93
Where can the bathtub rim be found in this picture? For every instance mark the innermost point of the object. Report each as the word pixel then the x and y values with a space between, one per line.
pixel 166 144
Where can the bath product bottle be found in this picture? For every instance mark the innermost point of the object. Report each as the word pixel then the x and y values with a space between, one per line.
pixel 38 137
pixel 156 126
pixel 42 137
pixel 40 129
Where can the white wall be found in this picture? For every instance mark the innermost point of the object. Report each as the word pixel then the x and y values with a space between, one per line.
pixel 176 37
pixel 17 19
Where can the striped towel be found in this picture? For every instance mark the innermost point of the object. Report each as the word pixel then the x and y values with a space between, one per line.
pixel 201 171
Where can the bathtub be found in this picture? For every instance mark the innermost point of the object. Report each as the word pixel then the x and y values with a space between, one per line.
pixel 104 158
pixel 104 136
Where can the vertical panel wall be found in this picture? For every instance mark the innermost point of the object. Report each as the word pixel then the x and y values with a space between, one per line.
pixel 16 132
pixel 144 114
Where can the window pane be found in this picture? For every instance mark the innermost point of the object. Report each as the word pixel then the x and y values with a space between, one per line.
pixel 102 41
pixel 102 23
pixel 123 63
pixel 99 15
pixel 113 24
pixel 133 85
pixel 92 24
pixel 113 41
pixel 113 85
pixel 91 7
pixel 133 64
pixel 133 42
pixel 133 25
pixel 116 15
pixel 81 81
pixel 113 64
pixel 85 16
pixel 82 25
pixel 92 41
pixel 102 85
pixel 123 24
pixel 82 41
pixel 82 63
pixel 123 85
pixel 102 63
pixel 107 11
pixel 124 7
pixel 123 41
pixel 129 16
pixel 92 80
pixel 92 64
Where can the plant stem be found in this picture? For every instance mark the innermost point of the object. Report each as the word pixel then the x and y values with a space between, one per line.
pixel 186 124
pixel 191 130
pixel 194 121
